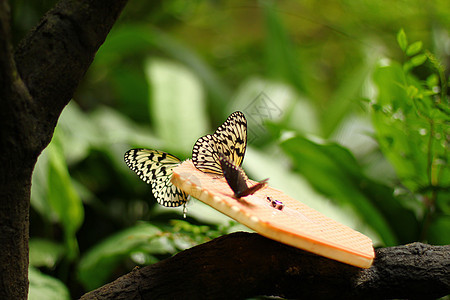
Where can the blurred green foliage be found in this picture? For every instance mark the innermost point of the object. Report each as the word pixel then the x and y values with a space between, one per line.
pixel 347 112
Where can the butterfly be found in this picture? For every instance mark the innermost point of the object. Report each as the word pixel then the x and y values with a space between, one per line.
pixel 236 178
pixel 156 168
pixel 230 139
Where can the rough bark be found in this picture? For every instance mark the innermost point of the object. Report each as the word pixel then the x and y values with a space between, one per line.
pixel 15 173
pixel 36 82
pixel 244 265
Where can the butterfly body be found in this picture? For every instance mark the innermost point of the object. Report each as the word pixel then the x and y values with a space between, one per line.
pixel 236 178
pixel 156 168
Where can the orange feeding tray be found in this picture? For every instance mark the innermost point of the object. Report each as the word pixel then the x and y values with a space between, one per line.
pixel 295 224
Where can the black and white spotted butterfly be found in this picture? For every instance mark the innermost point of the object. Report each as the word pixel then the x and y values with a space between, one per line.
pixel 156 168
pixel 230 139
pixel 236 178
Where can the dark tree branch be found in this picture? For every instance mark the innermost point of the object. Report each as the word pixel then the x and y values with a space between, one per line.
pixel 243 265
pixel 36 83
pixel 54 56
pixel 15 175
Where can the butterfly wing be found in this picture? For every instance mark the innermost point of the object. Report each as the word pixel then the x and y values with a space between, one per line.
pixel 204 154
pixel 229 139
pixel 156 168
pixel 232 135
pixel 234 175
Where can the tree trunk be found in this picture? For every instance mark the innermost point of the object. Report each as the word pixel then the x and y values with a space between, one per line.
pixel 245 265
pixel 36 83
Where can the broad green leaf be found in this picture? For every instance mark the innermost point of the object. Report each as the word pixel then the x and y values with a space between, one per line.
pixel 45 287
pixel 45 253
pixel 96 265
pixel 62 195
pixel 177 106
pixel 414 48
pixel 75 135
pixel 39 199
pixel 334 172
pixel 402 40
pixel 78 134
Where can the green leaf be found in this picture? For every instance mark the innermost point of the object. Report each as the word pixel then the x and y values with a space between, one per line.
pixel 96 266
pixel 45 253
pixel 402 40
pixel 39 199
pixel 333 171
pixel 43 286
pixel 62 195
pixel 418 60
pixel 432 81
pixel 177 105
pixel 414 48
pixel 77 133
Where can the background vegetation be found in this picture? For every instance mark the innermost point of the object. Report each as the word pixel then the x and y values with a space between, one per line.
pixel 347 103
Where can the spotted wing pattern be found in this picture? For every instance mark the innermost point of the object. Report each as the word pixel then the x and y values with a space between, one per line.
pixel 229 139
pixel 236 178
pixel 156 168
